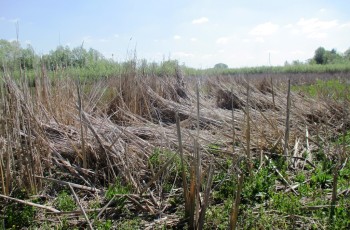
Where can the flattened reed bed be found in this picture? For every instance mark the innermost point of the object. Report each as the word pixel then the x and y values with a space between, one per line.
pixel 63 135
pixel 44 132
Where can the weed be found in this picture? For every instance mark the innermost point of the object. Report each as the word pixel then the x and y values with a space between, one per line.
pixel 321 178
pixel 65 202
pixel 286 203
pixel 17 215
pixel 103 225
pixel 214 149
pixel 117 188
pixel 258 187
pixel 128 224
pixel 300 177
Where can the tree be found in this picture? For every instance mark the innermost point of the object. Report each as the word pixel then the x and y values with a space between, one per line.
pixel 320 55
pixel 79 57
pixel 347 54
pixel 332 57
pixel 220 66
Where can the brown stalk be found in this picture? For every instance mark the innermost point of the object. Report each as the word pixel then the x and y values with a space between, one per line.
pixel 334 192
pixel 30 203
pixel 286 135
pixel 80 107
pixel 197 163
pixel 81 207
pixel 183 173
pixel 249 159
pixel 158 174
pixel 206 197
pixel 233 122
pixel 273 94
pixel 235 205
pixel 83 187
pixel 281 176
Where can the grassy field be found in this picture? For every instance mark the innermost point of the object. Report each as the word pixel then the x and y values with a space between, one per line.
pixel 136 150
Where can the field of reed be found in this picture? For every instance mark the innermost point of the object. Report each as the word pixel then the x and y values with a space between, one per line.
pixel 136 151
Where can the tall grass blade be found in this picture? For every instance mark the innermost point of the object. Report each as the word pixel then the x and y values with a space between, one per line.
pixel 205 203
pixel 286 133
pixel 80 107
pixel 249 159
pixel 235 205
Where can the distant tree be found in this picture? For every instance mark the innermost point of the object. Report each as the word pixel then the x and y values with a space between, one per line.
pixel 79 57
pixel 297 62
pixel 347 54
pixel 220 66
pixel 332 57
pixel 27 57
pixel 320 55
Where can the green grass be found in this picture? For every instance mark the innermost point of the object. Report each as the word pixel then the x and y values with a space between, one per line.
pixel 65 202
pixel 265 207
pixel 333 89
pixel 16 215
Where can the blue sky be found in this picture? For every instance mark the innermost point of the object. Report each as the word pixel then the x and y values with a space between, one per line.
pixel 197 33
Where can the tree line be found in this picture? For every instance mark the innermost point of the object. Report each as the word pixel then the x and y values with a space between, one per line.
pixel 13 57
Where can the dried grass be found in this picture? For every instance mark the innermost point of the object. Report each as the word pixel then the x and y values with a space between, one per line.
pixel 44 131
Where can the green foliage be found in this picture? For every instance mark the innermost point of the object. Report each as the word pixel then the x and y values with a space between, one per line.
pixel 103 225
pixel 342 216
pixel 300 177
pixel 117 188
pixel 323 56
pixel 65 202
pixel 128 224
pixel 320 56
pixel 217 216
pixel 333 89
pixel 214 149
pixel 169 176
pixel 16 215
pixel 225 184
pixel 321 178
pixel 221 66
pixel 257 187
pixel 287 203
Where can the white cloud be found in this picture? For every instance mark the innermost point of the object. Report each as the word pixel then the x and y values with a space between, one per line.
pixel 194 39
pixel 177 37
pixel 289 26
pixel 264 29
pixel 256 39
pixel 222 40
pixel 14 20
pixel 181 54
pixel 315 28
pixel 317 35
pixel 116 35
pixel 87 39
pixel 322 10
pixel 345 25
pixel 103 40
pixel 314 25
pixel 207 56
pixel 259 39
pixel 28 42
pixel 273 51
pixel 297 52
pixel 200 20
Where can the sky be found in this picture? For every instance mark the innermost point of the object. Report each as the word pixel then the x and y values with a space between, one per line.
pixel 239 33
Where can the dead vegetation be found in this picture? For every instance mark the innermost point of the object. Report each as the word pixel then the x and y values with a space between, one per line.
pixel 94 134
